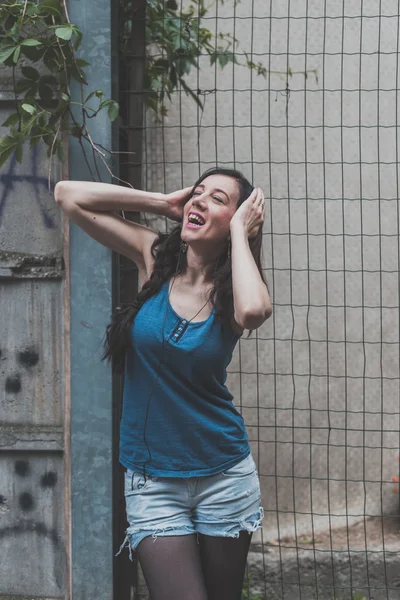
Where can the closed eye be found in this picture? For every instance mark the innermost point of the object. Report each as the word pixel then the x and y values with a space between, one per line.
pixel 215 197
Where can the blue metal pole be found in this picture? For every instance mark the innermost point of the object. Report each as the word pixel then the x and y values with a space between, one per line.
pixel 91 302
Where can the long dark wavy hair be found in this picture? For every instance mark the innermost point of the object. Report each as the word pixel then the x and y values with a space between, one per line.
pixel 166 251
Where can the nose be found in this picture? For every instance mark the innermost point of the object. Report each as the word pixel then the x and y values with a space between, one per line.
pixel 198 201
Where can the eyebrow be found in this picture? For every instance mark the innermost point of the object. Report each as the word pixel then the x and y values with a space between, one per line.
pixel 215 190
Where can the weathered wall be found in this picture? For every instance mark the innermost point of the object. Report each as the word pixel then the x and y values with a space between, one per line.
pixel 318 383
pixel 42 533
pixel 32 537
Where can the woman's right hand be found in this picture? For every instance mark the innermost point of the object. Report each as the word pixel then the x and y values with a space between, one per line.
pixel 175 203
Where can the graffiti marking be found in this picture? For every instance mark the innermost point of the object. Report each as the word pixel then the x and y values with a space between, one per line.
pixel 8 180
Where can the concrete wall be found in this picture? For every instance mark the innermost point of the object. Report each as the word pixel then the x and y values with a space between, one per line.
pixel 318 384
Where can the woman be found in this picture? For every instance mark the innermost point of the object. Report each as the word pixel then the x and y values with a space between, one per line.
pixel 191 486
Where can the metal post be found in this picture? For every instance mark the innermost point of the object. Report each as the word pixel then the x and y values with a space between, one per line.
pixel 91 382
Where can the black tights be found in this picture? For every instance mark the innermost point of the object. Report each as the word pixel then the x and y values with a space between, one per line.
pixel 180 568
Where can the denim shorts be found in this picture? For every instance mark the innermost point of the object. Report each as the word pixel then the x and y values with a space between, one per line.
pixel 215 505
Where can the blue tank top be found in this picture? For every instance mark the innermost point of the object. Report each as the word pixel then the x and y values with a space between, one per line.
pixel 191 425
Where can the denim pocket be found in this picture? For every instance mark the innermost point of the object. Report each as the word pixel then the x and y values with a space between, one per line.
pixel 245 467
pixel 135 482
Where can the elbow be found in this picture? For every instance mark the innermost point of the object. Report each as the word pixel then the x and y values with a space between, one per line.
pixel 59 192
pixel 255 318
pixel 62 194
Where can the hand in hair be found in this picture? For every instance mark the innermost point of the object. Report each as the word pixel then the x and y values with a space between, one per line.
pixel 175 203
pixel 250 214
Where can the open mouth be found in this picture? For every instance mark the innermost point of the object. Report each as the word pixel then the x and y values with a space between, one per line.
pixel 195 221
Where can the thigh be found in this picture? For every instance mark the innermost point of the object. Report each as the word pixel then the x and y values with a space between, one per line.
pixel 224 563
pixel 226 514
pixel 172 568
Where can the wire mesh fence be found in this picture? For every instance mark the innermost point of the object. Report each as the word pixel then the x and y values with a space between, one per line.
pixel 305 102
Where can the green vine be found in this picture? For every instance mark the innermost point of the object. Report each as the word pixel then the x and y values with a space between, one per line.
pixel 38 33
pixel 41 33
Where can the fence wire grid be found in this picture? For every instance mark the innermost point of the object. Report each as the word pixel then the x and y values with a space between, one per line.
pixel 318 383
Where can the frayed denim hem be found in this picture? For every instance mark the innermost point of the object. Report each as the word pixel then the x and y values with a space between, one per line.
pixel 249 524
pixel 232 528
pixel 126 542
pixel 146 532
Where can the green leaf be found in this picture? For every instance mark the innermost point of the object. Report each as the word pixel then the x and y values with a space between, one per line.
pixel 6 53
pixel 64 33
pixel 32 10
pixel 30 73
pixel 98 93
pixel 172 76
pixel 34 141
pixel 47 9
pixel 48 139
pixel 33 53
pixel 5 155
pixel 162 64
pixel 77 74
pixel 17 54
pixel 113 111
pixel 8 20
pixel 81 63
pixel 45 93
pixel 31 94
pixel 191 93
pixel 15 31
pixel 18 153
pixel 29 42
pixel 172 5
pixel 78 40
pixel 223 59
pixel 51 62
pixel 50 6
pixel 23 85
pixel 65 97
pixel 28 108
pixel 49 79
pixel 7 142
pixel 76 131
pixel 11 121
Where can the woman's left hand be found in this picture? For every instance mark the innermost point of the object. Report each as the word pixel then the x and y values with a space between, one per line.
pixel 250 214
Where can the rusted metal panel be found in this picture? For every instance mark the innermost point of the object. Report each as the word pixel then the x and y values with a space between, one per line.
pixel 32 524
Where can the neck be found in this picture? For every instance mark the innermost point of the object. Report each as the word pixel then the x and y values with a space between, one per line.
pixel 199 268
